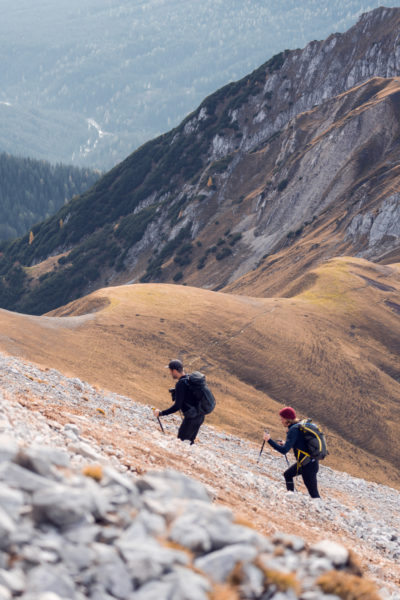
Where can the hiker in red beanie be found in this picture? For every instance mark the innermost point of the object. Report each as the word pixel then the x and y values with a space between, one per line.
pixel 305 466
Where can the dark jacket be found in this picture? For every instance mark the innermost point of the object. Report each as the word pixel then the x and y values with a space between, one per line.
pixel 184 400
pixel 294 439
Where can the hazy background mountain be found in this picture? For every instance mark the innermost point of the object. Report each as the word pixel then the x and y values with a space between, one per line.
pixel 88 82
pixel 33 190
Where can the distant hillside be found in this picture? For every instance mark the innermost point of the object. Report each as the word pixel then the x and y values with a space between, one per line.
pixel 290 166
pixel 87 83
pixel 32 190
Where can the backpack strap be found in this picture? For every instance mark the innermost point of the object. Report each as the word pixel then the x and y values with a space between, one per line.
pixel 305 428
pixel 300 461
pixel 302 455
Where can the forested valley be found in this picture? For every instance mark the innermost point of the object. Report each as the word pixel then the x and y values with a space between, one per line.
pixel 32 190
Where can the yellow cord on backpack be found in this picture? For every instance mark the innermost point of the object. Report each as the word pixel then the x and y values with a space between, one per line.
pixel 300 461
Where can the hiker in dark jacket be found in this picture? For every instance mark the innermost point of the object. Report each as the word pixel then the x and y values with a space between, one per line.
pixel 305 466
pixel 183 401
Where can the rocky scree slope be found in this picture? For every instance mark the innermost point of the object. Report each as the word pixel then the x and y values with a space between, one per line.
pixel 84 513
pixel 260 164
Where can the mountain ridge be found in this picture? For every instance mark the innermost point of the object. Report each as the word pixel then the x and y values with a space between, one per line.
pixel 205 190
pixel 136 70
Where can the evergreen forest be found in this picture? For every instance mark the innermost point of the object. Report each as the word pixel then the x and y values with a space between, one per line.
pixel 33 190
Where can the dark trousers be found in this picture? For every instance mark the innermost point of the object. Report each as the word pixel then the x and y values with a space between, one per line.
pixel 190 427
pixel 309 475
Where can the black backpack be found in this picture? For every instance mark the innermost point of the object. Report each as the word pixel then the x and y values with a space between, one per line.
pixel 205 401
pixel 314 438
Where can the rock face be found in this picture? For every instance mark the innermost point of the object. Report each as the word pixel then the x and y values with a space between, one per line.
pixel 381 228
pixel 323 70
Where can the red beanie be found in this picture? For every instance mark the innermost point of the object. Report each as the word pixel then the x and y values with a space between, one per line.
pixel 287 413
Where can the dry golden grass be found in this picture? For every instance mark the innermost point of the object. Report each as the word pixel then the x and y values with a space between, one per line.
pixel 179 547
pixel 281 581
pixel 331 352
pixel 93 471
pixel 236 577
pixel 348 587
pixel 354 565
pixel 244 521
pixel 44 267
pixel 224 592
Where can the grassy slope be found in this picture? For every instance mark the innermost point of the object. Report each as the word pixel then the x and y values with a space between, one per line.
pixel 332 352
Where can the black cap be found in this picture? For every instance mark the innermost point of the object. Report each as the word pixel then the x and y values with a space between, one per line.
pixel 175 364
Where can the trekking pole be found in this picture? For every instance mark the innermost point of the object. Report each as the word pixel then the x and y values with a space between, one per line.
pixel 294 483
pixel 262 446
pixel 159 421
pixel 281 442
